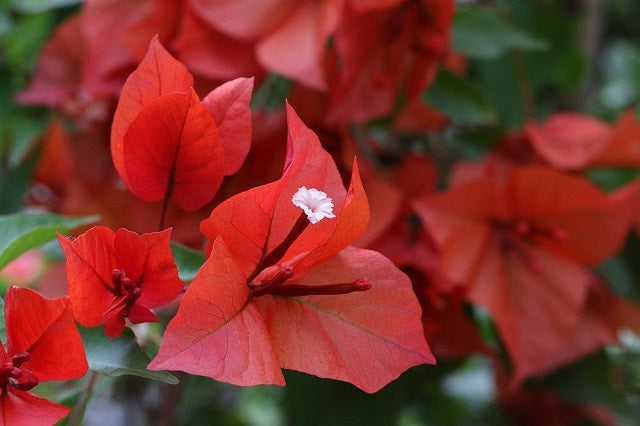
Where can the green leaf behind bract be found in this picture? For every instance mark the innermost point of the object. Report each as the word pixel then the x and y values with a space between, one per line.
pixel 187 260
pixel 459 99
pixel 14 182
pixel 21 232
pixel 35 6
pixel 24 129
pixel 481 33
pixel 588 381
pixel 119 356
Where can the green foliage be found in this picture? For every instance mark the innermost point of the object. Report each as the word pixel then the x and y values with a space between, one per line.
pixel 589 381
pixel 22 35
pixel 272 93
pixel 13 185
pixel 460 99
pixel 482 33
pixel 609 178
pixel 119 356
pixel 621 74
pixel 187 260
pixel 22 232
pixel 23 131
pixel 35 6
pixel 25 39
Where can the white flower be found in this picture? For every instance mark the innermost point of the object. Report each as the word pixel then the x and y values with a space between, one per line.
pixel 315 204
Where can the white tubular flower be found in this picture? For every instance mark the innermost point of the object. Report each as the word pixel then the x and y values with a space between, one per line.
pixel 315 204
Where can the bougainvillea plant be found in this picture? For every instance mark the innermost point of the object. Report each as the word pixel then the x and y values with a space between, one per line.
pixel 324 199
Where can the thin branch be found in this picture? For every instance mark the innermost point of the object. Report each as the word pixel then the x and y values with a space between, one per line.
pixel 78 411
pixel 524 84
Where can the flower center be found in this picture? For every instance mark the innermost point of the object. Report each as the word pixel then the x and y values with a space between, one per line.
pixel 19 378
pixel 314 203
pixel 316 206
pixel 126 292
pixel 514 235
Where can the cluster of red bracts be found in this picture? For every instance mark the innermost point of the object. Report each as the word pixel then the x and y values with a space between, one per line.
pixel 289 274
pixel 274 249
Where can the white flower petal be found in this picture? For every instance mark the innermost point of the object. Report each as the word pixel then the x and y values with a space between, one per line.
pixel 314 203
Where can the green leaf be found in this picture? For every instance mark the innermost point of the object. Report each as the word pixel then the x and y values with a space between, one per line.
pixel 22 44
pixel 272 93
pixel 619 277
pixel 119 356
pixel 6 22
pixel 14 184
pixel 22 232
pixel 481 33
pixel 458 98
pixel 609 178
pixel 588 381
pixel 187 260
pixel 34 6
pixel 26 125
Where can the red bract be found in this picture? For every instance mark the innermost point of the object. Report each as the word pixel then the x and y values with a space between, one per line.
pixel 279 291
pixel 93 52
pixel 229 107
pixel 210 53
pixel 115 276
pixel 290 36
pixel 521 246
pixel 59 72
pixel 166 144
pixel 623 147
pixel 269 210
pixel 380 52
pixel 43 344
pixel 568 140
pixel 158 74
pixel 171 151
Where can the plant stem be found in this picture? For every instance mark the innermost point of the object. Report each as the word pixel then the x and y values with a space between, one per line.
pixel 163 215
pixel 524 84
pixel 78 411
pixel 589 40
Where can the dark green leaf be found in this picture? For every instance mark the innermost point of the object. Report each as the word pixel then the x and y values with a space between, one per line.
pixel 481 33
pixel 611 178
pixel 22 232
pixel 24 128
pixel 588 381
pixel 119 356
pixel 14 183
pixel 188 260
pixel 458 98
pixel 619 276
pixel 272 93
